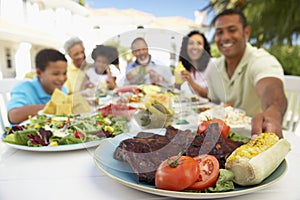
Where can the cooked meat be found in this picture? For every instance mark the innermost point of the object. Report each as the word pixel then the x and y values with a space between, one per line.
pixel 142 143
pixel 214 144
pixel 146 151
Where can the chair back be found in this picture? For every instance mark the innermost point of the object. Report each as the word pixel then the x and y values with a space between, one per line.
pixel 6 85
pixel 292 89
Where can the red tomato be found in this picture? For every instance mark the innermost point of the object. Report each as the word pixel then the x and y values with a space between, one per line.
pixel 203 127
pixel 117 110
pixel 224 128
pixel 176 173
pixel 78 134
pixel 209 172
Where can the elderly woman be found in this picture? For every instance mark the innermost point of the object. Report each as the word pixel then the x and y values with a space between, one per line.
pixel 76 69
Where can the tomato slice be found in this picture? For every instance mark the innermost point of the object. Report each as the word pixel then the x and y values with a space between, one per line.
pixel 78 134
pixel 209 172
pixel 176 173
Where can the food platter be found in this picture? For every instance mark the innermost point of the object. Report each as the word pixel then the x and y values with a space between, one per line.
pixel 125 89
pixel 187 102
pixel 69 147
pixel 189 105
pixel 122 173
pixel 61 133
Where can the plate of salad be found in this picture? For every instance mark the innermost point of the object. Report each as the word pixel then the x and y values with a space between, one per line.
pixel 64 133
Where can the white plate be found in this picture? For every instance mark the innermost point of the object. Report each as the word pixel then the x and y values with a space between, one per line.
pixel 125 89
pixel 191 104
pixel 41 112
pixel 67 147
pixel 122 173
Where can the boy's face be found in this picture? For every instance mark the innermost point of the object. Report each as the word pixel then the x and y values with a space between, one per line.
pixel 54 76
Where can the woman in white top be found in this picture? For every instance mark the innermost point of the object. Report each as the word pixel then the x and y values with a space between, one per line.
pixel 102 75
pixel 193 60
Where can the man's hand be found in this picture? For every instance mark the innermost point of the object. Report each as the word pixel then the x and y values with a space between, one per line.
pixel 156 78
pixel 131 77
pixel 266 122
pixel 274 104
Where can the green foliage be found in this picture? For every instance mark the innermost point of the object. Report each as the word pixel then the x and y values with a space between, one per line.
pixel 288 56
pixel 272 21
pixel 215 51
pixel 124 52
pixel 81 2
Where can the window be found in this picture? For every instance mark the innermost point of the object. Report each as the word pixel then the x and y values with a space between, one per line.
pixel 8 58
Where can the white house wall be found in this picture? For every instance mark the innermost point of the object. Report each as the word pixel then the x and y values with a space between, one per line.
pixel 41 24
pixel 49 23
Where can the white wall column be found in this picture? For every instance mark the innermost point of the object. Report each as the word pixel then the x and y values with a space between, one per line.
pixel 23 59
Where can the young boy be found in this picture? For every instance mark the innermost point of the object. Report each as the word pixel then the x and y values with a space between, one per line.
pixel 30 96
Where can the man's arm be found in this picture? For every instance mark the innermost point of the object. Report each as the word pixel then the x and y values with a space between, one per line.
pixel 274 105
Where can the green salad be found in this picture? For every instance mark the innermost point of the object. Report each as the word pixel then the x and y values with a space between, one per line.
pixel 56 130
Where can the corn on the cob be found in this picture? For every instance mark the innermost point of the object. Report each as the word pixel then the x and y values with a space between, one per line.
pixel 252 162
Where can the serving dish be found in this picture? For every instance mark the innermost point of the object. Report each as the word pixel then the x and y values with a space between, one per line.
pixel 63 133
pixel 69 147
pixel 123 174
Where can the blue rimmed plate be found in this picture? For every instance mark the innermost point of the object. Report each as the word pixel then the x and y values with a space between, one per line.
pixel 122 173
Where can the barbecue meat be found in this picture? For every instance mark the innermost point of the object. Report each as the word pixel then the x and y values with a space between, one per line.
pixel 146 151
pixel 214 144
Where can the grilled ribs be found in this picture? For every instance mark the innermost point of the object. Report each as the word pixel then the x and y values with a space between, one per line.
pixel 146 151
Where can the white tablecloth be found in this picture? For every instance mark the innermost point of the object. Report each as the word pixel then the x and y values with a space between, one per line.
pixel 73 175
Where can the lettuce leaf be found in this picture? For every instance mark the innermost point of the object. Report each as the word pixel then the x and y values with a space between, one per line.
pixel 224 182
pixel 10 138
pixel 238 137
pixel 70 139
pixel 21 137
pixel 41 139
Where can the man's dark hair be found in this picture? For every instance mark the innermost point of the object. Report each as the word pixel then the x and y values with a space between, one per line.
pixel 203 60
pixel 232 12
pixel 45 56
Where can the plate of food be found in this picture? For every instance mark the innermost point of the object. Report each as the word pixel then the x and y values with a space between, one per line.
pixel 69 147
pixel 125 110
pixel 130 88
pixel 63 133
pixel 234 117
pixel 122 172
pixel 188 100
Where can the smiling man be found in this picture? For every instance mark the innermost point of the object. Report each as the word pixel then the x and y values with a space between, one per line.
pixel 145 69
pixel 246 77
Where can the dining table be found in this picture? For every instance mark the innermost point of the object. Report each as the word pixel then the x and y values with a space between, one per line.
pixel 73 175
